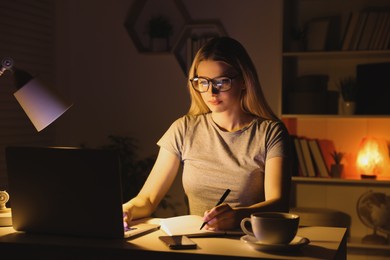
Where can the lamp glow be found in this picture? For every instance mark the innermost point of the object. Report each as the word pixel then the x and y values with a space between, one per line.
pixel 372 157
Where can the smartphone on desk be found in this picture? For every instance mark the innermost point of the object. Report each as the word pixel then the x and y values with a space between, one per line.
pixel 178 242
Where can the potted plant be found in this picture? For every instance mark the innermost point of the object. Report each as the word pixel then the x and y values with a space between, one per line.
pixel 134 170
pixel 159 29
pixel 348 89
pixel 337 167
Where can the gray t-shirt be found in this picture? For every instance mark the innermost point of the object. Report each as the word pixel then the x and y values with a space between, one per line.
pixel 214 160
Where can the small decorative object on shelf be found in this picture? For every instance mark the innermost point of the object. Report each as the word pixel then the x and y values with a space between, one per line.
pixel 348 89
pixel 298 38
pixel 5 213
pixel 374 212
pixel 336 169
pixel 159 29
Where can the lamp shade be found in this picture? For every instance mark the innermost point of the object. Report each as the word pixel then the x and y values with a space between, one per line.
pixel 42 104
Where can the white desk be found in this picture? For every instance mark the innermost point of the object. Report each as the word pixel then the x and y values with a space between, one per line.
pixel 326 243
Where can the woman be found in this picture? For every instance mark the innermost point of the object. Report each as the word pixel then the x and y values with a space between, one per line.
pixel 229 139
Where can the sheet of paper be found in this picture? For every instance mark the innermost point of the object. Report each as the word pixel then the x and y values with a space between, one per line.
pixel 189 225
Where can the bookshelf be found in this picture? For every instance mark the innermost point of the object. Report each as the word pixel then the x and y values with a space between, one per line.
pixel 314 35
pixel 345 131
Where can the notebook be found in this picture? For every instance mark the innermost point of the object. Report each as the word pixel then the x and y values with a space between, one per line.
pixel 189 225
pixel 68 191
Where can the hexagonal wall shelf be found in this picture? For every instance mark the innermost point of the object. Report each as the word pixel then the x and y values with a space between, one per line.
pixel 143 10
pixel 187 35
pixel 192 38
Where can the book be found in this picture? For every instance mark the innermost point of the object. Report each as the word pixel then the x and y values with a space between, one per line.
pixel 316 34
pixel 379 31
pixel 352 23
pixel 334 30
pixel 301 160
pixel 318 158
pixel 358 30
pixel 296 168
pixel 327 147
pixel 189 225
pixel 345 18
pixel 385 38
pixel 311 172
pixel 368 30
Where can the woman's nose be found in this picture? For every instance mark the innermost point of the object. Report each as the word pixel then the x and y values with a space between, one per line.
pixel 214 90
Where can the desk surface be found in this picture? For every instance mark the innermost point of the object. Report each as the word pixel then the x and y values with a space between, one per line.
pixel 326 243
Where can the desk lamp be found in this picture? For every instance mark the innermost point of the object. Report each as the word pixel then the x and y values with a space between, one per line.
pixel 42 104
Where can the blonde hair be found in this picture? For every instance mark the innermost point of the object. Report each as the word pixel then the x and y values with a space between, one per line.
pixel 233 53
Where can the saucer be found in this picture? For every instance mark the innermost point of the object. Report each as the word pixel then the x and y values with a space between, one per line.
pixel 297 242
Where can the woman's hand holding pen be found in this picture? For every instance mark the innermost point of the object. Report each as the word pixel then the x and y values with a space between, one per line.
pixel 221 217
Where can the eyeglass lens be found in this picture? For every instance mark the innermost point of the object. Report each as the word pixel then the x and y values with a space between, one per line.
pixel 202 84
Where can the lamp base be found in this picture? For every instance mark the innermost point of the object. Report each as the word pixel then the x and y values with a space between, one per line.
pixel 367 176
pixel 5 218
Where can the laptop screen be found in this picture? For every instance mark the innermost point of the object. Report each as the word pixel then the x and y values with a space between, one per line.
pixel 65 191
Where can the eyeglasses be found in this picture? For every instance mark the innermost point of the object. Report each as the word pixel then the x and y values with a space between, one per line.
pixel 220 84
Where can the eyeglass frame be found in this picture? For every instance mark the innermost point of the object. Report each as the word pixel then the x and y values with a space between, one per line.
pixel 212 83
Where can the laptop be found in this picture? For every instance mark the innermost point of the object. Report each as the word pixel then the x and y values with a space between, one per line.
pixel 68 191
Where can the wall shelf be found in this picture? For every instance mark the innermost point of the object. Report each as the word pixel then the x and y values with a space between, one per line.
pixel 192 37
pixel 355 242
pixel 337 54
pixel 142 10
pixel 341 181
pixel 185 30
pixel 292 116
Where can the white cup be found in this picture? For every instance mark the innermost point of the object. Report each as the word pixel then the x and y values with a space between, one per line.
pixel 271 227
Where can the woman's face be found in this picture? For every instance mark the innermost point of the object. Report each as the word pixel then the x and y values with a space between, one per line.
pixel 217 101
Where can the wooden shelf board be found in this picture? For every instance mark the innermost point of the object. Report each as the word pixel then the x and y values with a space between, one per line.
pixel 356 242
pixel 384 181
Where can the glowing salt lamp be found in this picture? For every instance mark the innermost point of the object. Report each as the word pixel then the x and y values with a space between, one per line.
pixel 372 157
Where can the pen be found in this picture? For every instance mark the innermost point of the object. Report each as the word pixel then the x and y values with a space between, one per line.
pixel 221 200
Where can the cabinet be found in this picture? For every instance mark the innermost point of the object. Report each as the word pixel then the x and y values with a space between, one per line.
pixel 343 195
pixel 312 47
